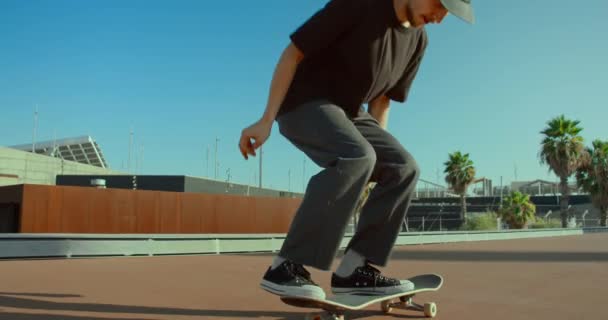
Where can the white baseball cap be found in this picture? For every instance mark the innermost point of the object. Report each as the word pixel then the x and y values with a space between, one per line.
pixel 463 9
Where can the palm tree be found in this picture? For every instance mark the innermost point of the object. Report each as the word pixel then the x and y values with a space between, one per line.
pixel 592 177
pixel 517 210
pixel 562 149
pixel 460 173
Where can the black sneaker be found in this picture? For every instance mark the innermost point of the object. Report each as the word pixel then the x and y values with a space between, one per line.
pixel 367 280
pixel 290 279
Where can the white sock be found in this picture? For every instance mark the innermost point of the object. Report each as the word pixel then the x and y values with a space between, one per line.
pixel 351 261
pixel 277 262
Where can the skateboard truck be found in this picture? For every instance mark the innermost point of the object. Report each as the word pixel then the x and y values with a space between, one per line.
pixel 406 303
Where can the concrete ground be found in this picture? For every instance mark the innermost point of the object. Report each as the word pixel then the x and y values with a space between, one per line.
pixel 546 278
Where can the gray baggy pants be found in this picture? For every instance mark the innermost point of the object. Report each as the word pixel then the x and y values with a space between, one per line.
pixel 352 152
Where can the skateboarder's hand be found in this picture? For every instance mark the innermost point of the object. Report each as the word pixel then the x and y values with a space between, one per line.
pixel 253 137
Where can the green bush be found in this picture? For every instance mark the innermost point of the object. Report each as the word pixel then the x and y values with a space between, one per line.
pixel 542 224
pixel 485 221
pixel 517 210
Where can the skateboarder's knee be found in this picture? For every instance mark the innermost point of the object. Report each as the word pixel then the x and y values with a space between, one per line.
pixel 397 173
pixel 408 166
pixel 360 158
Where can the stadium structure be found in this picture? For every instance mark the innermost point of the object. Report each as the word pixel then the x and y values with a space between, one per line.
pixel 82 149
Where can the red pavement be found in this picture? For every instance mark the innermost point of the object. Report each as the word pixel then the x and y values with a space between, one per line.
pixel 548 278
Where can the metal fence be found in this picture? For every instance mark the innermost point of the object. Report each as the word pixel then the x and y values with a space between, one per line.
pixel 431 223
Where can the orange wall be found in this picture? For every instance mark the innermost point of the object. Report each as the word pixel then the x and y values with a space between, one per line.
pixel 64 209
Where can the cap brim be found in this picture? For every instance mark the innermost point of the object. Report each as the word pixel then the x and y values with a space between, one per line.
pixel 460 9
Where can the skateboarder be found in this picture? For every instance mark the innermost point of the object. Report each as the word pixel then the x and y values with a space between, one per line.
pixel 350 53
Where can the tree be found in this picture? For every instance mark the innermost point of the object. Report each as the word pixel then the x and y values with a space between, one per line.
pixel 517 210
pixel 460 174
pixel 562 149
pixel 592 177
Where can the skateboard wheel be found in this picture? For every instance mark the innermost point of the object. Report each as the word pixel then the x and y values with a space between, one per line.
pixel 430 309
pixel 386 306
pixel 313 317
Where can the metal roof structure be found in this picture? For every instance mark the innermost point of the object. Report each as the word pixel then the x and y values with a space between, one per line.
pixel 82 149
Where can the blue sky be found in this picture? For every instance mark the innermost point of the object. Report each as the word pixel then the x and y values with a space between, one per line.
pixel 181 73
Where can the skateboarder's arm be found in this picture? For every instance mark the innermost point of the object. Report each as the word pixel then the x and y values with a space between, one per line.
pixel 256 134
pixel 378 108
pixel 281 80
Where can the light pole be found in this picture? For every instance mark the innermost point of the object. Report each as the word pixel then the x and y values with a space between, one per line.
pixel 130 149
pixel 261 153
pixel 207 174
pixel 35 128
pixel 216 165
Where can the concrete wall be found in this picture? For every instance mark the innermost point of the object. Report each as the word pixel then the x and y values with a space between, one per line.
pixel 19 167
pixel 91 245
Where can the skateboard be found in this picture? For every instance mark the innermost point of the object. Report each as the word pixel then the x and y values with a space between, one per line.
pixel 335 306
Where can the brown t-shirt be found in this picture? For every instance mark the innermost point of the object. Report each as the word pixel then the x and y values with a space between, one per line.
pixel 354 51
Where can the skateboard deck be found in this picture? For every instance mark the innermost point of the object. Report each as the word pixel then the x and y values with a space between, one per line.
pixel 335 306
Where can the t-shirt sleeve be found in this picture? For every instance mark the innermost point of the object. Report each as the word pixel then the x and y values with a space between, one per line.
pixel 401 90
pixel 327 25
